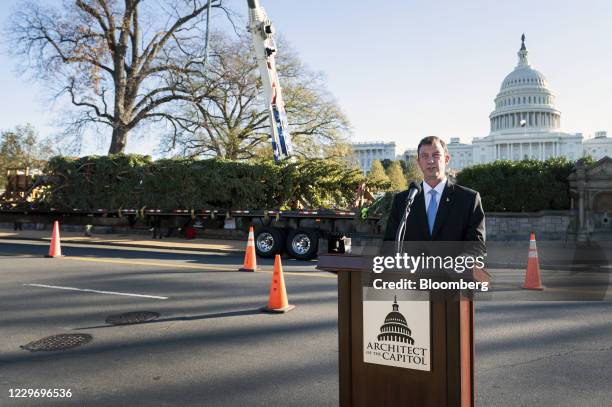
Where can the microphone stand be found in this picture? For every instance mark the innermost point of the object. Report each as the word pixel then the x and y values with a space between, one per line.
pixel 401 230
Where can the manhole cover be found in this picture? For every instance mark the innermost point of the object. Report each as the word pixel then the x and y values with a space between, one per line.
pixel 132 318
pixel 58 342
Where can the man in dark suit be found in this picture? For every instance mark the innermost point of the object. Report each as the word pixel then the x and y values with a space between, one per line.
pixel 441 211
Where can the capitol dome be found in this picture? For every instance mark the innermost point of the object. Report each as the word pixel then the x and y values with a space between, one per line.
pixel 395 327
pixel 524 75
pixel 524 101
pixel 524 125
pixel 395 316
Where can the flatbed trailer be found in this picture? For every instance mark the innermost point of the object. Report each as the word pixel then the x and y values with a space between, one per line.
pixel 302 234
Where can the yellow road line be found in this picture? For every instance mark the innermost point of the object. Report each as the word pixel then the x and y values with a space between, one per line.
pixel 147 263
pixel 220 267
pixel 120 247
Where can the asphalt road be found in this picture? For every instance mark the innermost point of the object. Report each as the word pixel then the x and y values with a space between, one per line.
pixel 212 347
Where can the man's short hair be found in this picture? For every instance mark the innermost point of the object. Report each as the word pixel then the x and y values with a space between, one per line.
pixel 428 141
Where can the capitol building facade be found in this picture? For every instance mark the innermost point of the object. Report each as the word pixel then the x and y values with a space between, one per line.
pixel 526 124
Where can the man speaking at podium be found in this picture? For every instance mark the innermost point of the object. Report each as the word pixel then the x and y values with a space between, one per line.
pixel 441 210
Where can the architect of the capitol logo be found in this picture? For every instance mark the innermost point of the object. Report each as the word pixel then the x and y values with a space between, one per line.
pixel 393 342
pixel 395 328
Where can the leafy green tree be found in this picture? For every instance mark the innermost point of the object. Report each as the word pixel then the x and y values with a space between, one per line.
pixel 21 148
pixel 377 176
pixel 412 172
pixel 410 168
pixel 396 176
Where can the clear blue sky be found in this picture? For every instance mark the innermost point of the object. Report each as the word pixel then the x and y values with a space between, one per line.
pixel 402 69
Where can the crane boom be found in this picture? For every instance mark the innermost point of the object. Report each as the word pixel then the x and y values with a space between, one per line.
pixel 262 33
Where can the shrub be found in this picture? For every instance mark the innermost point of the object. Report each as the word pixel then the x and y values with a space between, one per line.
pixel 520 186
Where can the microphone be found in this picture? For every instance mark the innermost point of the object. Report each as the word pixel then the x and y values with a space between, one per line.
pixel 413 190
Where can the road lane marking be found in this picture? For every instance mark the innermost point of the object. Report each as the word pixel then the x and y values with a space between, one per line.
pixel 97 291
pixel 220 267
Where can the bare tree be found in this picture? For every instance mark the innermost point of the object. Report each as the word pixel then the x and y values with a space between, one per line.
pixel 232 120
pixel 113 59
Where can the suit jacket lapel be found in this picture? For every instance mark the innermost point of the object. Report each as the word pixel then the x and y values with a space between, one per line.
pixel 443 208
pixel 420 215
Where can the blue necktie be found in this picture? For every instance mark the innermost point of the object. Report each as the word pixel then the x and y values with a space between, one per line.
pixel 431 210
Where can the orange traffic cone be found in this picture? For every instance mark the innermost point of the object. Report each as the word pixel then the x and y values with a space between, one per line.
pixel 55 249
pixel 532 276
pixel 278 302
pixel 250 259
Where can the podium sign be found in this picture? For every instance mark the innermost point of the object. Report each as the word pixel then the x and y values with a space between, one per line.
pixel 396 332
pixel 436 369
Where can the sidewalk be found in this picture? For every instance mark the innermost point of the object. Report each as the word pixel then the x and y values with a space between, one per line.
pixel 129 240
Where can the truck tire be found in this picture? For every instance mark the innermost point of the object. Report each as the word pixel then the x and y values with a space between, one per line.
pixel 269 242
pixel 302 244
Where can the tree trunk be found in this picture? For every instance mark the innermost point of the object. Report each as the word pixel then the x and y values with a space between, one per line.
pixel 118 141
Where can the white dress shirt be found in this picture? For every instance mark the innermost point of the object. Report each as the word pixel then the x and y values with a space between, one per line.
pixel 439 189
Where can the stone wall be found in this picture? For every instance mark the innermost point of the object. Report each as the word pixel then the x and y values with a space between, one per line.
pixel 547 225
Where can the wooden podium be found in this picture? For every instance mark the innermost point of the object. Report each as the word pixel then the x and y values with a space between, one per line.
pixel 450 381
